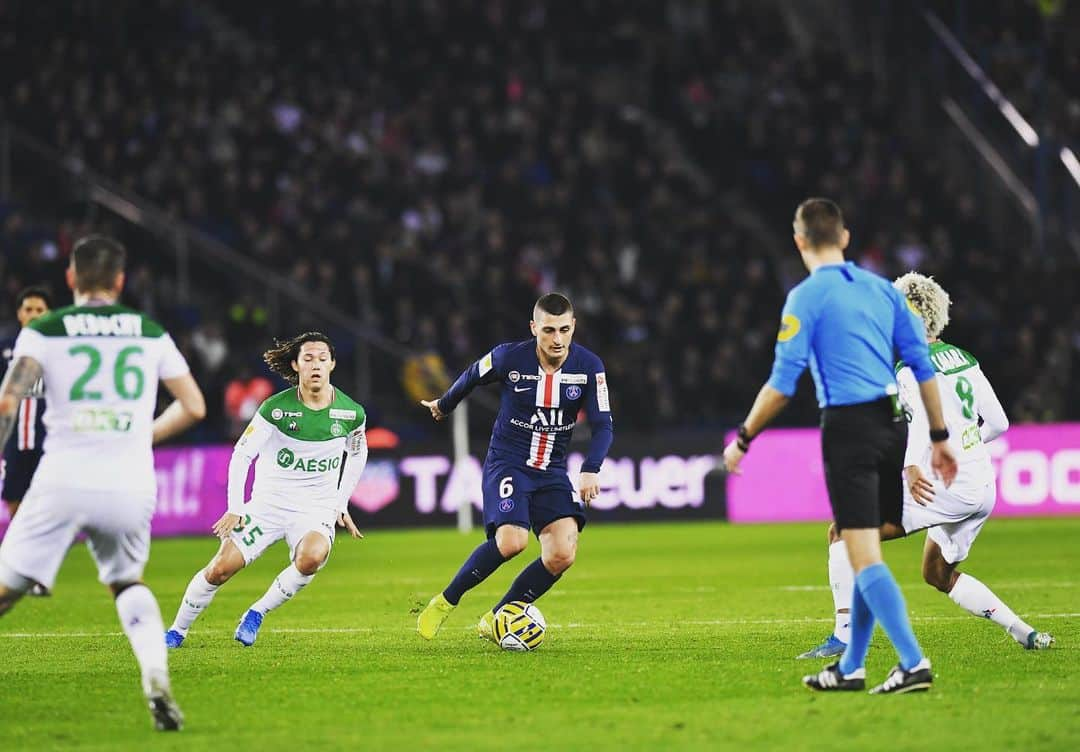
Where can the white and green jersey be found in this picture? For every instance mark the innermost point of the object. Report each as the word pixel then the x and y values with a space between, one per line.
pixel 101 366
pixel 307 459
pixel 966 396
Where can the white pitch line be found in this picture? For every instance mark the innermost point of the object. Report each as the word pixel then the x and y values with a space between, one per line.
pixel 571 625
pixel 1034 585
pixel 803 588
pixel 27 635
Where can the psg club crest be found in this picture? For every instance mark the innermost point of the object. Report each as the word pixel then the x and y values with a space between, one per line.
pixel 506 505
pixel 573 392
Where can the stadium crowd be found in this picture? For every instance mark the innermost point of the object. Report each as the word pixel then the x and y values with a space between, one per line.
pixel 1030 53
pixel 432 171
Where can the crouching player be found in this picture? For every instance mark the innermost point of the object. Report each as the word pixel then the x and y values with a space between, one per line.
pixel 311 450
pixel 953 516
pixel 545 381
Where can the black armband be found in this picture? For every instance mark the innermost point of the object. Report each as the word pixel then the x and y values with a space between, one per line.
pixel 941 434
pixel 743 438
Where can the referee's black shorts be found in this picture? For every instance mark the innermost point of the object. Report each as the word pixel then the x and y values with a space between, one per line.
pixel 863 448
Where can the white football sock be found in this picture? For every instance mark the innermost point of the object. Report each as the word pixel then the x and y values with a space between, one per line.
pixel 972 595
pixel 141 619
pixel 842 582
pixel 288 583
pixel 196 598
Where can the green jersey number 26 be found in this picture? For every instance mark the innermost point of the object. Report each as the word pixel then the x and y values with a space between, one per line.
pixel 128 378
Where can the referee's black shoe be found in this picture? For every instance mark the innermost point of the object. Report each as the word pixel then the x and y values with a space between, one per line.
pixel 899 681
pixel 830 679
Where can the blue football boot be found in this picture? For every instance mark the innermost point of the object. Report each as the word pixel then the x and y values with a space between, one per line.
pixel 248 629
pixel 831 648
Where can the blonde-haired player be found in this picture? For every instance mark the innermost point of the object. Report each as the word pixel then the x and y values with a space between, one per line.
pixel 952 516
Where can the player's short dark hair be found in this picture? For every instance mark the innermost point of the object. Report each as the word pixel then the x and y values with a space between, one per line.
pixel 280 357
pixel 97 260
pixel 554 303
pixel 34 291
pixel 822 221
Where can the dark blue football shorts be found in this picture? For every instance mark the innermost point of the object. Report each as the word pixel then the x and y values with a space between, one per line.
pixel 19 467
pixel 526 497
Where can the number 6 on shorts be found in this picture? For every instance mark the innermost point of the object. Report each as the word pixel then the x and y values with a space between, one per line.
pixel 506 487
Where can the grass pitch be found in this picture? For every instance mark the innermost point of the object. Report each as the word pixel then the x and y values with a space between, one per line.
pixel 674 636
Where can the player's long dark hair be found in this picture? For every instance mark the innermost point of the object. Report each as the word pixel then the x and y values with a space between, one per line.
pixel 280 357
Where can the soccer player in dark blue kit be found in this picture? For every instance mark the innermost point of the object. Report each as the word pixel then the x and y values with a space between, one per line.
pixel 23 450
pixel 545 382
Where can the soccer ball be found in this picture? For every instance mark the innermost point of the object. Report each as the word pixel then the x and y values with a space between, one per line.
pixel 519 626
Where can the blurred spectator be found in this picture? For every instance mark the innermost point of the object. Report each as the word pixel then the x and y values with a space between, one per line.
pixel 424 375
pixel 431 169
pixel 243 395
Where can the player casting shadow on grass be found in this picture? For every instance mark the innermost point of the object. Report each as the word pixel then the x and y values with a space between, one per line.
pixel 311 447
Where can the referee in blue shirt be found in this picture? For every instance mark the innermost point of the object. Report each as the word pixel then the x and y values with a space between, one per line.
pixel 848 325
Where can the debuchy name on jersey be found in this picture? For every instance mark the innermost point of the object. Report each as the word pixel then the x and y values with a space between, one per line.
pixel 538 410
pixel 29 430
pixel 101 365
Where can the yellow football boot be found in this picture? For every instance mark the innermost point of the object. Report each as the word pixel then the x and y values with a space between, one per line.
pixel 432 617
pixel 486 626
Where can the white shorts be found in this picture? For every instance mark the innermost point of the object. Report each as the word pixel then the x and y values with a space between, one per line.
pixel 954 520
pixel 262 526
pixel 117 529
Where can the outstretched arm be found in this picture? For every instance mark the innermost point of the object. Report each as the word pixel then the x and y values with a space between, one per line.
pixel 18 382
pixel 792 354
pixel 487 370
pixel 767 405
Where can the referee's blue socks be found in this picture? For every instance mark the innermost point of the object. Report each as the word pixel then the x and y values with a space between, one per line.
pixel 885 602
pixel 862 627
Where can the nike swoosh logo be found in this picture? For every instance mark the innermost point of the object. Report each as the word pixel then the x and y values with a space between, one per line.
pixel 522 389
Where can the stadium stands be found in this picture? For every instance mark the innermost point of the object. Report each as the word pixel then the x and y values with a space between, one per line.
pixel 316 140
